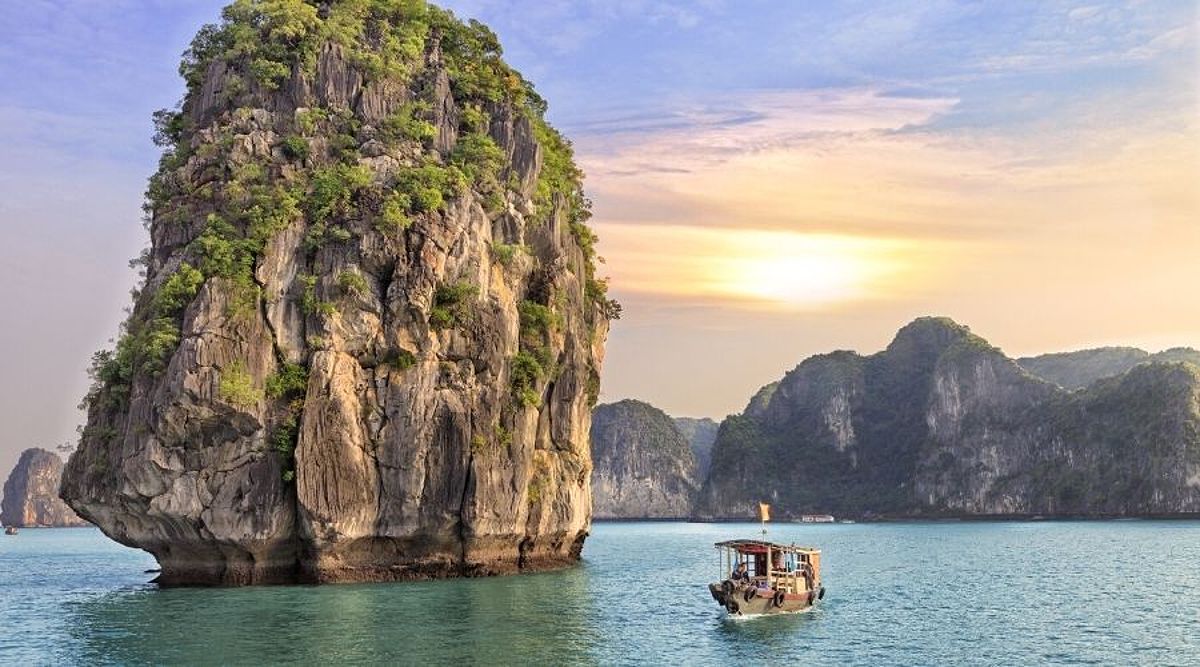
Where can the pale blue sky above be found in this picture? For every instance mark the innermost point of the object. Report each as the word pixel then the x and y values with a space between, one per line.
pixel 978 106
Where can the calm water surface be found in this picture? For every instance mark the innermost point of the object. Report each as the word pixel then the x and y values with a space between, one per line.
pixel 1117 593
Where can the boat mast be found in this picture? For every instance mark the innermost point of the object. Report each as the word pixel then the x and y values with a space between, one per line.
pixel 764 515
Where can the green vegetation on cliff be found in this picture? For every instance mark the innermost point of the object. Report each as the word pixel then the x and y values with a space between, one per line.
pixel 314 178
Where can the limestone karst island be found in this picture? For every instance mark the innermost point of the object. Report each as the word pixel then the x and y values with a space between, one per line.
pixel 599 333
pixel 371 329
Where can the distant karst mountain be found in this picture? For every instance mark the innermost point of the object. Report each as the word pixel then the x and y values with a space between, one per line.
pixel 1076 370
pixel 31 493
pixel 643 464
pixel 943 423
pixel 701 433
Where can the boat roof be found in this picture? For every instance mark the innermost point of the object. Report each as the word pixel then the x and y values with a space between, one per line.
pixel 760 547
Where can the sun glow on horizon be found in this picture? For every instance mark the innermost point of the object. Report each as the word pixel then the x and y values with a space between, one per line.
pixel 806 270
pixel 760 268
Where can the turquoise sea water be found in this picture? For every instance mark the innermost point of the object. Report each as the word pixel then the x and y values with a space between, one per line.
pixel 1118 593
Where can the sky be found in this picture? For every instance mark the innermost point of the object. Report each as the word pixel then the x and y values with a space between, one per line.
pixel 772 179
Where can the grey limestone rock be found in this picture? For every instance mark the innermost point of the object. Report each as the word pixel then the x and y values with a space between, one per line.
pixel 31 493
pixel 358 385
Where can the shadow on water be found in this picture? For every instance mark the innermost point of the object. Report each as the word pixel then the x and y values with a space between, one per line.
pixel 529 619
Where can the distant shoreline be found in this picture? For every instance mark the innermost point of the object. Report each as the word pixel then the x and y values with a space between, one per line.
pixel 990 518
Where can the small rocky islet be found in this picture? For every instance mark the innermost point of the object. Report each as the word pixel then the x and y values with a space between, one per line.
pixel 31 493
pixel 371 330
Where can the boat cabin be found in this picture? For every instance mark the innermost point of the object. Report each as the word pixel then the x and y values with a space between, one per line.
pixel 782 567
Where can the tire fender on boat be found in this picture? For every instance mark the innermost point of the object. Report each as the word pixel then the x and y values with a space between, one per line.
pixel 821 595
pixel 749 594
pixel 727 587
pixel 778 599
pixel 732 607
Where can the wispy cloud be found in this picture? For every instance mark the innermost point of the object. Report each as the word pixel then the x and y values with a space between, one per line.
pixel 750 122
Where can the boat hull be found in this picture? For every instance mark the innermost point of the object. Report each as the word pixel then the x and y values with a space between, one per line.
pixel 749 601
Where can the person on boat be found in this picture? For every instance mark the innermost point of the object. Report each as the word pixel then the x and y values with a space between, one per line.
pixel 807 571
pixel 779 565
pixel 740 573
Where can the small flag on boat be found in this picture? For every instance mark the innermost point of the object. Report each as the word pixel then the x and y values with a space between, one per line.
pixel 764 512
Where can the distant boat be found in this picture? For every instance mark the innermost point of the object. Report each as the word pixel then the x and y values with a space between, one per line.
pixel 847 521
pixel 816 518
pixel 11 530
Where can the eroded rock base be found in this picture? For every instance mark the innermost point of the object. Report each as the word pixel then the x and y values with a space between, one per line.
pixel 362 561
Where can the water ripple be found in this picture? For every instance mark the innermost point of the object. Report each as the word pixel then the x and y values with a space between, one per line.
pixel 1079 593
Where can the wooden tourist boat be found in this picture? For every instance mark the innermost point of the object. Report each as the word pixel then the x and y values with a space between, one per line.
pixel 766 578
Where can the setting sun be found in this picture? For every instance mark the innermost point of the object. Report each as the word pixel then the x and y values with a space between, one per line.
pixel 804 270
pixel 765 269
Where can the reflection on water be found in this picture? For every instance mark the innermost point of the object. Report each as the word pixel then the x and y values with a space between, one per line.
pixel 930 594
pixel 534 619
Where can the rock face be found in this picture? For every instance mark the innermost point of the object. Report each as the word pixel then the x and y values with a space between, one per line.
pixel 701 433
pixel 1076 370
pixel 643 465
pixel 370 334
pixel 31 493
pixel 942 423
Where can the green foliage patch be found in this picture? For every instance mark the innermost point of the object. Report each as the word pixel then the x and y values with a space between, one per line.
pixel 332 191
pixel 290 381
pixel 353 282
pixel 409 123
pixel 394 216
pixel 526 371
pixel 296 147
pixel 402 360
pixel 427 187
pixel 236 386
pixel 452 305
pixel 310 304
pixel 506 253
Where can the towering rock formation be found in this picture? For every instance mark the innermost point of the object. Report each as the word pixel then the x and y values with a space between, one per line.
pixel 701 433
pixel 370 334
pixel 643 464
pixel 941 422
pixel 31 493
